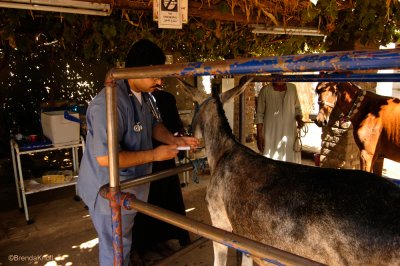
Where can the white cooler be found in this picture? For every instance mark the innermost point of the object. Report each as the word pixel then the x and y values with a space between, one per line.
pixel 61 130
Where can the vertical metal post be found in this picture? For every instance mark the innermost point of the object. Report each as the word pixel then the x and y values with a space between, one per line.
pixel 112 140
pixel 242 118
pixel 22 185
pixel 74 160
pixel 15 173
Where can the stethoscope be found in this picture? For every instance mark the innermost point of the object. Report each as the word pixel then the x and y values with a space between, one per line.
pixel 149 100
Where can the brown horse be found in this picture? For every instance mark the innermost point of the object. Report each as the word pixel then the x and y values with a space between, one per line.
pixel 375 119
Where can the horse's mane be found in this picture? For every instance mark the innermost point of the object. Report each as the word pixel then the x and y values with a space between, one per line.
pixel 325 83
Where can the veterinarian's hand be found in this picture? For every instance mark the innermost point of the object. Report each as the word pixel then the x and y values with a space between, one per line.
pixel 165 152
pixel 187 141
pixel 260 143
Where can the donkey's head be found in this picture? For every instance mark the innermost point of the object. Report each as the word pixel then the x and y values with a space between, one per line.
pixel 198 97
pixel 327 97
pixel 209 107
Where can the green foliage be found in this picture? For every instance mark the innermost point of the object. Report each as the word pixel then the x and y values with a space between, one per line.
pixel 108 38
pixel 48 56
pixel 369 22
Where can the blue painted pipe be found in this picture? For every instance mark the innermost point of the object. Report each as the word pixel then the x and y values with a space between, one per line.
pixel 334 77
pixel 328 62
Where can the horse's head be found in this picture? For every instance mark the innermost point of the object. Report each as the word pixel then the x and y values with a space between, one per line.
pixel 327 98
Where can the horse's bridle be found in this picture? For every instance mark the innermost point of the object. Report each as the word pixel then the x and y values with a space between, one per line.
pixel 356 104
pixel 354 108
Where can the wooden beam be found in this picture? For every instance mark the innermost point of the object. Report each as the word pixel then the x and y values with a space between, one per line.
pixel 213 13
pixel 195 9
pixel 141 5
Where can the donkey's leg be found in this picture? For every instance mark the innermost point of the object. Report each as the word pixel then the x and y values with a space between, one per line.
pixel 219 218
pixel 220 254
pixel 243 259
pixel 247 260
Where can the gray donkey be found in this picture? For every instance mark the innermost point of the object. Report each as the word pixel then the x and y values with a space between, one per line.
pixel 336 217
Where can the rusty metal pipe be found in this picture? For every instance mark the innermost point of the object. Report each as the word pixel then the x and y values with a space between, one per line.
pixel 243 244
pixel 113 162
pixel 112 138
pixel 331 61
pixel 116 222
pixel 155 176
pixel 324 77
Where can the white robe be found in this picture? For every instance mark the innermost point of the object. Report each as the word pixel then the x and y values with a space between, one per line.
pixel 277 111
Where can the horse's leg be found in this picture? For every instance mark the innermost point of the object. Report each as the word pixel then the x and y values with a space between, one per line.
pixel 368 141
pixel 366 161
pixel 378 166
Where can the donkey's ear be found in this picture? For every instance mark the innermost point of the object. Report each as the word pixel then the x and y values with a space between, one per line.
pixel 193 92
pixel 224 97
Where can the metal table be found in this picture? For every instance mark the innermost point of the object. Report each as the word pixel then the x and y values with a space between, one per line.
pixel 26 187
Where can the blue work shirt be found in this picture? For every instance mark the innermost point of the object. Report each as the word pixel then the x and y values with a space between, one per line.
pixel 91 175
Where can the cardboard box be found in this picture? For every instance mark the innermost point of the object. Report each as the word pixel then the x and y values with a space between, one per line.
pixel 59 129
pixel 57 177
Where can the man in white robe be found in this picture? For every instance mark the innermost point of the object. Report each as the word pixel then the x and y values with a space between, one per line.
pixel 278 109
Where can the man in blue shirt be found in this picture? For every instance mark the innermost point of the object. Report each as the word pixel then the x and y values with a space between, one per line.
pixel 137 124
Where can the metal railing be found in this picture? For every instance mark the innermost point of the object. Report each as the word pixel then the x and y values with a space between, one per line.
pixel 328 62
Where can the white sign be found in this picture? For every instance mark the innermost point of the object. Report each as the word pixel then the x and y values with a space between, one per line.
pixel 170 13
pixel 170 16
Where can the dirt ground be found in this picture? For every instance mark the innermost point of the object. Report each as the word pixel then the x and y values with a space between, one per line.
pixel 62 232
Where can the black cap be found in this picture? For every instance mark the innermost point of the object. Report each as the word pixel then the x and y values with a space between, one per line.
pixel 144 53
